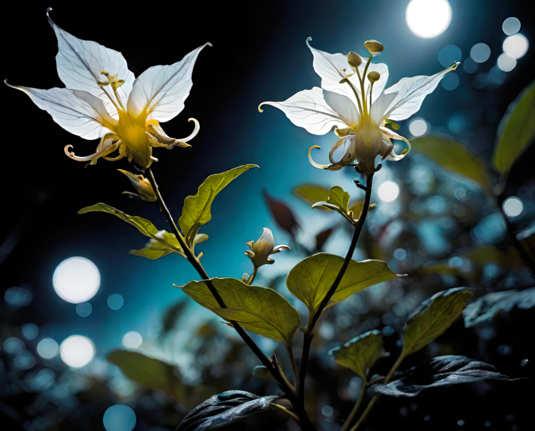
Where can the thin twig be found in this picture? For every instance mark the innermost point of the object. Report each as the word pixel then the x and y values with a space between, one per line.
pixel 285 410
pixel 351 416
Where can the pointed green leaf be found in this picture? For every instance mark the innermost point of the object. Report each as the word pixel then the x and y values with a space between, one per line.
pixel 311 193
pixel 311 279
pixel 197 209
pixel 338 200
pixel 361 353
pixel 516 130
pixel 455 157
pixel 258 309
pixel 155 249
pixel 432 318
pixel 150 373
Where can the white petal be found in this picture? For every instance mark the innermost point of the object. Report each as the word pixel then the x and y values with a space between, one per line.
pixel 411 92
pixel 80 62
pixel 381 105
pixel 73 113
pixel 308 109
pixel 334 67
pixel 344 106
pixel 266 239
pixel 388 135
pixel 162 90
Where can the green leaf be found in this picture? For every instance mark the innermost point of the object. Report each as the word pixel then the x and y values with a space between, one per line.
pixel 258 309
pixel 432 318
pixel 361 353
pixel 338 200
pixel 161 244
pixel 487 306
pixel 150 373
pixel 311 279
pixel 356 207
pixel 516 130
pixel 455 157
pixel 197 209
pixel 311 193
pixel 484 254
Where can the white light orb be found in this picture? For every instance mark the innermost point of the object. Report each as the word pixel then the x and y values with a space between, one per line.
pixel 516 45
pixel 400 254
pixel 77 351
pixel 115 301
pixel 418 127
pixel 388 191
pixel 47 348
pixel 480 52
pixel 513 206
pixel 132 339
pixel 428 18
pixel 119 418
pixel 506 62
pixel 76 280
pixel 511 26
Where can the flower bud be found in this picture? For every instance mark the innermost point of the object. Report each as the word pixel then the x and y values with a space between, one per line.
pixel 142 186
pixel 374 47
pixel 374 76
pixel 263 248
pixel 354 60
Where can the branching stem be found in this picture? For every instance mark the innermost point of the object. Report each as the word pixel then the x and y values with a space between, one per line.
pixel 362 395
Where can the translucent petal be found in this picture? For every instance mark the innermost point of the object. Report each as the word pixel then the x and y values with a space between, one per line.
pixel 80 62
pixel 308 109
pixel 343 105
pixel 334 67
pixel 162 90
pixel 74 114
pixel 411 92
pixel 381 105
pixel 388 135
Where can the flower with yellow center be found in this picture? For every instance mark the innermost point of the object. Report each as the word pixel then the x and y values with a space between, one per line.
pixel 354 103
pixel 104 100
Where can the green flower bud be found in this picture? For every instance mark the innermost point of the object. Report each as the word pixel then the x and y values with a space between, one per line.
pixel 354 60
pixel 142 186
pixel 374 76
pixel 374 47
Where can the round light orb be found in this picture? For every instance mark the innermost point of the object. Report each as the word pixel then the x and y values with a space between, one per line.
pixel 132 339
pixel 388 191
pixel 513 206
pixel 470 66
pixel 327 411
pixel 84 309
pixel 30 331
pixel 400 254
pixel 480 52
pixel 511 26
pixel 449 55
pixel 115 301
pixel 516 46
pixel 76 280
pixel 450 82
pixel 13 345
pixel 119 418
pixel 428 18
pixel 77 351
pixel 47 348
pixel 418 127
pixel 506 62
pixel 25 360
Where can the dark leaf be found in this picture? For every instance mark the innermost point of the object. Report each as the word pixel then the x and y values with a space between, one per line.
pixel 486 307
pixel 224 409
pixel 282 215
pixel 323 236
pixel 171 315
pixel 439 372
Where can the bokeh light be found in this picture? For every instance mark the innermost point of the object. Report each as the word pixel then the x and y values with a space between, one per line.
pixel 132 339
pixel 18 297
pixel 388 191
pixel 496 76
pixel 470 66
pixel 418 127
pixel 480 52
pixel 511 26
pixel 13 345
pixel 25 360
pixel 400 254
pixel 506 62
pixel 480 80
pixel 516 46
pixel 449 55
pixel 457 123
pixel 47 348
pixel 77 351
pixel 119 418
pixel 450 82
pixel 428 18
pixel 76 280
pixel 115 301
pixel 84 309
pixel 30 331
pixel 513 206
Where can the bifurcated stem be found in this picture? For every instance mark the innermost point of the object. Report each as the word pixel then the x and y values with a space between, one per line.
pixel 274 370
pixel 312 321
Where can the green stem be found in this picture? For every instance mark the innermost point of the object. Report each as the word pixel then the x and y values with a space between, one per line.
pixel 244 335
pixel 252 276
pixel 362 395
pixel 294 365
pixel 285 410
pixel 376 397
pixel 307 341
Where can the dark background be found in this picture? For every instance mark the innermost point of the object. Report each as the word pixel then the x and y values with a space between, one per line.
pixel 258 54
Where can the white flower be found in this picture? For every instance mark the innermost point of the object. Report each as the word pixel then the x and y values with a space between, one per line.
pixel 263 248
pixel 354 103
pixel 104 100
